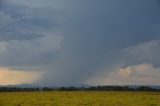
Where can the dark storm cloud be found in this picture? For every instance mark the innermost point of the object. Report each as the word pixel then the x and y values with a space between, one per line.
pixel 93 36
pixel 110 21
pixel 24 23
pixel 101 29
pixel 19 36
pixel 30 34
pixel 1 2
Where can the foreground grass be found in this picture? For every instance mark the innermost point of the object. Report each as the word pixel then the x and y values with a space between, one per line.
pixel 80 99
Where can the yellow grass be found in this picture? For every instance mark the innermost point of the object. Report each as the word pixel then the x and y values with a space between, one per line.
pixel 80 99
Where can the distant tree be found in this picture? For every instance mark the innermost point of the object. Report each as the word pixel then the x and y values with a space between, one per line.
pixel 46 89
pixel 144 88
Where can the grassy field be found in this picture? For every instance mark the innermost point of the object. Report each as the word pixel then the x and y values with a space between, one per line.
pixel 80 99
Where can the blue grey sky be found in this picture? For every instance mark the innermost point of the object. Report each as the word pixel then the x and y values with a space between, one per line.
pixel 76 42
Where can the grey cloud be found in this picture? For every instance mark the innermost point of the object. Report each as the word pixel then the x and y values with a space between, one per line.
pixel 26 23
pixel 141 74
pixel 90 36
pixel 34 52
pixel 138 64
pixel 57 4
pixel 100 32
pixel 143 52
pixel 5 19
pixel 29 36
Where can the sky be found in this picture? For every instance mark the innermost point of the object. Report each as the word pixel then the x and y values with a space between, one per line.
pixel 79 42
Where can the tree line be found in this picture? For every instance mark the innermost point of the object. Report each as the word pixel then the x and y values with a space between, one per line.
pixel 97 88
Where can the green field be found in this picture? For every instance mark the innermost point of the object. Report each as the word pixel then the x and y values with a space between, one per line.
pixel 80 99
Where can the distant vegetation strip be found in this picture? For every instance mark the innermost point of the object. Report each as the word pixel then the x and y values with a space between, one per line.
pixel 97 88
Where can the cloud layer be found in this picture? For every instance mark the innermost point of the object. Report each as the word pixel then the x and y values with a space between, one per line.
pixel 138 65
pixel 14 77
pixel 142 74
pixel 75 42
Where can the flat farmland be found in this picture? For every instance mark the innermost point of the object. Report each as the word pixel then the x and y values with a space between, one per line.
pixel 86 98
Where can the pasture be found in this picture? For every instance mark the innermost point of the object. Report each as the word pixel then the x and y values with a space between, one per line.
pixel 80 98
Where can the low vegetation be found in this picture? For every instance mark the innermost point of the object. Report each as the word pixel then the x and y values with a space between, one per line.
pixel 80 98
pixel 96 88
